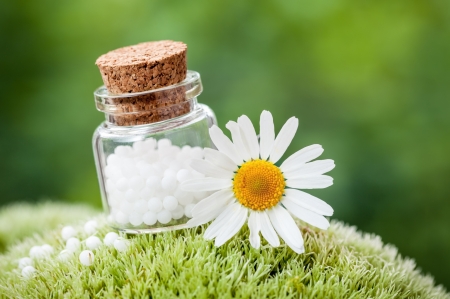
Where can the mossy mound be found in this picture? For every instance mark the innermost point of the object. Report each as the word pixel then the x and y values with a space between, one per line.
pixel 338 263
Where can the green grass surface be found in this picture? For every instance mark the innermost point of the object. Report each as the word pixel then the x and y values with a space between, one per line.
pixel 338 263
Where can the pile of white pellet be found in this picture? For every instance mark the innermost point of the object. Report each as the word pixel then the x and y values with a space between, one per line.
pixel 143 182
pixel 73 246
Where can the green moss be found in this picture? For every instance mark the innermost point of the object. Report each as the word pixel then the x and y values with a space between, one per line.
pixel 24 219
pixel 338 263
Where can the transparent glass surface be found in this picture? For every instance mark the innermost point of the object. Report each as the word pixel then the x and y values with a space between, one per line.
pixel 140 169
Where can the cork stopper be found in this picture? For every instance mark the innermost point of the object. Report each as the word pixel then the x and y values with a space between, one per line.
pixel 132 71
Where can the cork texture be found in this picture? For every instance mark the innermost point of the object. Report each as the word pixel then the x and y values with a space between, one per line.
pixel 143 67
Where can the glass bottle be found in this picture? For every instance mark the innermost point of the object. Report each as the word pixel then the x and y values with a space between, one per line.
pixel 142 154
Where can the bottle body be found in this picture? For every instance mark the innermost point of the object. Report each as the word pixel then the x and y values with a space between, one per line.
pixel 140 169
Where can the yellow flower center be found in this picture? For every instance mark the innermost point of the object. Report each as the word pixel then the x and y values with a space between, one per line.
pixel 258 185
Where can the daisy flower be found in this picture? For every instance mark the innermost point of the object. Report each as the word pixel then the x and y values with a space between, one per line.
pixel 249 185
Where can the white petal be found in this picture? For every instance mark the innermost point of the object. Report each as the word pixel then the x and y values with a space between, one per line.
pixel 310 169
pixel 209 169
pixel 302 156
pixel 283 139
pixel 267 230
pixel 312 182
pixel 219 159
pixel 309 202
pixel 205 184
pixel 224 144
pixel 266 134
pixel 219 224
pixel 249 136
pixel 233 225
pixel 254 224
pixel 216 200
pixel 306 215
pixel 287 229
pixel 237 140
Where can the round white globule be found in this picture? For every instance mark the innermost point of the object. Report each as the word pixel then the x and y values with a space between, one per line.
pixel 122 184
pixel 188 210
pixel 65 255
pixel 113 159
pixel 197 152
pixel 28 271
pixel 183 197
pixel 146 170
pixel 154 182
pixel 178 212
pixel 126 207
pixel 47 249
pixel 155 204
pixel 136 183
pixel 169 182
pixel 73 244
pixel 25 261
pixel 120 244
pixel 183 175
pixel 123 151
pixel 170 203
pixel 135 219
pixel 164 216
pixel 110 238
pixel 131 195
pixel 170 172
pixel 113 171
pixel 150 144
pixel 121 217
pixel 141 206
pixel 146 193
pixel 68 232
pixel 149 218
pixel 93 242
pixel 129 170
pixel 139 147
pixel 90 227
pixel 86 257
pixel 164 143
pixel 37 252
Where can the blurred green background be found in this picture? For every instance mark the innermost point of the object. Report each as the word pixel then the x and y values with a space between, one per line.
pixel 369 80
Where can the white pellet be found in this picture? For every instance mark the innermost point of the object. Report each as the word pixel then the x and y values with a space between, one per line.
pixel 73 244
pixel 155 204
pixel 149 218
pixel 28 271
pixel 151 156
pixel 123 151
pixel 136 183
pixel 141 206
pixel 183 175
pixel 150 143
pixel 178 212
pixel 93 242
pixel 47 249
pixel 86 257
pixel 113 171
pixel 65 255
pixel 197 152
pixel 170 172
pixel 135 218
pixel 146 170
pixel 186 149
pixel 37 252
pixel 90 227
pixel 110 238
pixel 131 195
pixel 164 216
pixel 146 193
pixel 154 182
pixel 183 197
pixel 169 182
pixel 122 184
pixel 129 170
pixel 164 143
pixel 120 244
pixel 113 159
pixel 68 232
pixel 170 203
pixel 139 147
pixel 121 218
pixel 25 261
pixel 126 207
pixel 188 210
